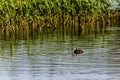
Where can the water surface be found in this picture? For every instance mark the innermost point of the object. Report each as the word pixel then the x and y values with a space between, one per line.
pixel 48 57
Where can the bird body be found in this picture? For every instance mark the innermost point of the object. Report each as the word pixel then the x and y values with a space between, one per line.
pixel 76 51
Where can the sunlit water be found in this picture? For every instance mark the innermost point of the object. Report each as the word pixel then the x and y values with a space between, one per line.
pixel 48 57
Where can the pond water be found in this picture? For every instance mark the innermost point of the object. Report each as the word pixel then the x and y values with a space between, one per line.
pixel 48 56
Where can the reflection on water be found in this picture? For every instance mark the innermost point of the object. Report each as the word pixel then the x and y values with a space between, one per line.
pixel 48 56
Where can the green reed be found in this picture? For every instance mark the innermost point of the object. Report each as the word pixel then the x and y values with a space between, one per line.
pixel 32 14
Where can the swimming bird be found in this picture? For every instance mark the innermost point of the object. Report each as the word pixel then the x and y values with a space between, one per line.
pixel 75 50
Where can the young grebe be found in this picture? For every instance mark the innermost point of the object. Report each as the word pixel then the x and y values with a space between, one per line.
pixel 75 50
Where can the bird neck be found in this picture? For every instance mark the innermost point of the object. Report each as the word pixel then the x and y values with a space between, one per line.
pixel 74 48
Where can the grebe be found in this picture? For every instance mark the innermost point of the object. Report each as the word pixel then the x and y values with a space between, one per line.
pixel 75 50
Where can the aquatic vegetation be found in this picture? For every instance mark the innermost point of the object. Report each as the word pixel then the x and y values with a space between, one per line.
pixel 31 15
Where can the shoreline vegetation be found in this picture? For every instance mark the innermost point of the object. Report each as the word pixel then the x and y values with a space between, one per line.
pixel 30 16
pixel 38 20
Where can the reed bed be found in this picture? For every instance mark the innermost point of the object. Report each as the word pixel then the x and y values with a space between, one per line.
pixel 32 15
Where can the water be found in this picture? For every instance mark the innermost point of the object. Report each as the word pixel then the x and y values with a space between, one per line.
pixel 114 4
pixel 48 57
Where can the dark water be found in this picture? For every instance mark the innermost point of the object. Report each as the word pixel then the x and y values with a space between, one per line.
pixel 48 57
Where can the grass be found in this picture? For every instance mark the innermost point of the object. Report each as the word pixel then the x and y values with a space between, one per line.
pixel 31 15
